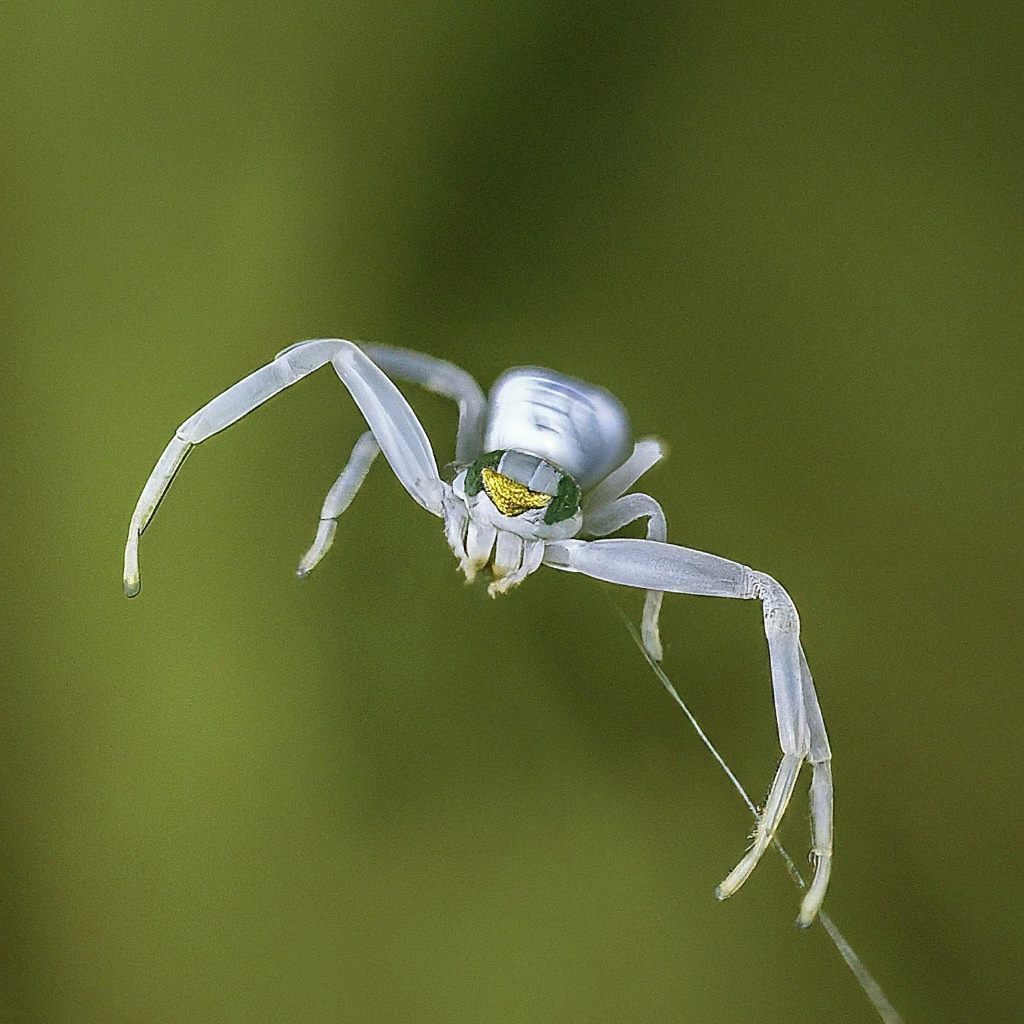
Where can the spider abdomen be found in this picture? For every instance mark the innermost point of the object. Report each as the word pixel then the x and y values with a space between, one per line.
pixel 578 427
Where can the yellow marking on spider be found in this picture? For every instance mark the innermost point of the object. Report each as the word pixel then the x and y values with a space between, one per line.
pixel 510 497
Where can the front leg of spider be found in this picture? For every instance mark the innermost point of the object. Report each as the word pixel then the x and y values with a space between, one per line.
pixel 393 425
pixel 666 567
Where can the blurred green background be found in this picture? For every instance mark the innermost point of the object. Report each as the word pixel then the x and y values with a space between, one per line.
pixel 789 238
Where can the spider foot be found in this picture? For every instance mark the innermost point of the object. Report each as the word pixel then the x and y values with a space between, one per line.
pixel 767 823
pixel 321 545
pixel 821 832
pixel 815 895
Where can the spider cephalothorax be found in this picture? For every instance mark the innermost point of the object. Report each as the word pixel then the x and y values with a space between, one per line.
pixel 547 466
pixel 512 502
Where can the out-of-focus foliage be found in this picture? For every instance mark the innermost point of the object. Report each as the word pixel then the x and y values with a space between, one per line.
pixel 789 239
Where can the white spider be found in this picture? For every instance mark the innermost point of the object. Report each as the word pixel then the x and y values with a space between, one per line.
pixel 546 458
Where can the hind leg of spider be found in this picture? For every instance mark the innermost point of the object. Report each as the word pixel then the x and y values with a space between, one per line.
pixel 607 518
pixel 647 452
pixel 442 378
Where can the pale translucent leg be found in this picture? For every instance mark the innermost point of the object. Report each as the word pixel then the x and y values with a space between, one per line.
pixel 508 554
pixel 456 524
pixel 514 560
pixel 667 567
pixel 820 757
pixel 436 375
pixel 480 541
pixel 533 554
pixel 160 478
pixel 388 415
pixel 647 452
pixel 339 497
pixel 613 516
pixel 445 379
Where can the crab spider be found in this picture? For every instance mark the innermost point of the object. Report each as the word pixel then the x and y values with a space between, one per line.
pixel 542 462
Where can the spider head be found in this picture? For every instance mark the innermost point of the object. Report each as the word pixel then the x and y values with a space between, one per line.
pixel 507 504
pixel 520 494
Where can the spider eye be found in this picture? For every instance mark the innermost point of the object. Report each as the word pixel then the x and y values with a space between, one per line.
pixel 474 475
pixel 565 503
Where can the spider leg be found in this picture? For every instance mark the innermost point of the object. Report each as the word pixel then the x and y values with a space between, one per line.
pixel 613 516
pixel 514 560
pixel 480 541
pixel 667 567
pixel 456 525
pixel 445 379
pixel 339 497
pixel 647 452
pixel 436 375
pixel 821 799
pixel 508 555
pixel 393 423
pixel 533 554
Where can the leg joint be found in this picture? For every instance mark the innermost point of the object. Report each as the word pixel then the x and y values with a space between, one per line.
pixel 780 613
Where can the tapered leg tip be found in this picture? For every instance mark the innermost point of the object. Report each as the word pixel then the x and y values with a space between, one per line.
pixel 812 903
pixel 309 561
pixel 321 545
pixel 739 874
pixel 132 586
